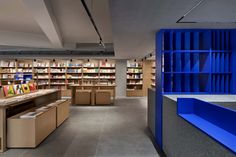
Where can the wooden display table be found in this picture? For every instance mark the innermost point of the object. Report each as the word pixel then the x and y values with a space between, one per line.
pixel 17 104
pixel 93 89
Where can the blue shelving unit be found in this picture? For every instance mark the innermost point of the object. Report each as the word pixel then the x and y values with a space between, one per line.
pixel 193 61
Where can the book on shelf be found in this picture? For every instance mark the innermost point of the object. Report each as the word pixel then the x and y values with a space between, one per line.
pixel 8 76
pixel 8 90
pixel 107 70
pixel 74 65
pixel 10 70
pixel 58 70
pixel 41 70
pixel 7 63
pixel 135 76
pixel 86 70
pixel 58 64
pixel 134 64
pixel 105 64
pixel 25 88
pixel 90 65
pixel 74 70
pixel 130 70
pixel 32 87
pixel 41 64
pixel 42 77
pixel 58 76
pixel 24 65
pixel 18 89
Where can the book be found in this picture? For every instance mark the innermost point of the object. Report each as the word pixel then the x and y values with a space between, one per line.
pixel 8 90
pixel 25 88
pixel 18 89
pixel 32 87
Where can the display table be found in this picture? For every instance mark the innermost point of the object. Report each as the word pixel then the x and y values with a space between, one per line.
pixel 93 89
pixel 17 104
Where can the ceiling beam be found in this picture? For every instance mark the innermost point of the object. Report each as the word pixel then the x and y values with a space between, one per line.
pixel 42 13
pixel 9 38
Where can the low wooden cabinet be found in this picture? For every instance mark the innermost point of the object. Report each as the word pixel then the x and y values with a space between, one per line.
pixel 30 132
pixel 103 97
pixel 62 111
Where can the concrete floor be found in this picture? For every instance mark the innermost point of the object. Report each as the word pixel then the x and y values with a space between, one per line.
pixel 114 131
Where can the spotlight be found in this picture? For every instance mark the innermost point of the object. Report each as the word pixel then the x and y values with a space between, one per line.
pixel 100 43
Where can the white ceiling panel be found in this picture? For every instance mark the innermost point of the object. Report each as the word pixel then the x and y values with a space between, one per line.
pixel 15 17
pixel 222 11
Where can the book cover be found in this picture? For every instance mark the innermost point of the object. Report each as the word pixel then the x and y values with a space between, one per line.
pixel 18 89
pixel 8 90
pixel 25 88
pixel 32 87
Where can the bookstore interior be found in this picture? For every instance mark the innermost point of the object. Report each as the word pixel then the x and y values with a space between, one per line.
pixel 95 78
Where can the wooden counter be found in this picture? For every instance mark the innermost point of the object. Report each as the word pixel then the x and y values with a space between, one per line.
pixel 14 105
pixel 93 89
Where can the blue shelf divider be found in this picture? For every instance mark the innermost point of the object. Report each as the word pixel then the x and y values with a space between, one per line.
pixel 194 61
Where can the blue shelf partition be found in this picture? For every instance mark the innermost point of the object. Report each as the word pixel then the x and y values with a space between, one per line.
pixel 194 61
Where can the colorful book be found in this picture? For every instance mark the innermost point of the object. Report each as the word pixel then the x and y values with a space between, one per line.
pixel 32 87
pixel 18 89
pixel 8 90
pixel 25 88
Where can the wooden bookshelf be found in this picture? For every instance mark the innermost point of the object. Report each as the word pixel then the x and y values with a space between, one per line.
pixel 139 77
pixel 60 74
pixel 134 78
pixel 153 73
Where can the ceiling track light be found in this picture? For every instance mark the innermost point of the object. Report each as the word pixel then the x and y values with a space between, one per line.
pixel 93 22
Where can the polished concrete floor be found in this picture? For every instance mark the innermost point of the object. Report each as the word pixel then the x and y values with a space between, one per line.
pixel 114 131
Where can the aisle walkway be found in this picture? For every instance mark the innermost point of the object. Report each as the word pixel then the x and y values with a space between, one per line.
pixel 115 131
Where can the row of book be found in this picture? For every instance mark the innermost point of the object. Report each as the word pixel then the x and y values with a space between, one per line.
pixel 11 90
pixel 134 70
pixel 135 76
pixel 134 64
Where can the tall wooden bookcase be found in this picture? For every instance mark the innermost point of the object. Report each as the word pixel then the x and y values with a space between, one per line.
pixel 194 61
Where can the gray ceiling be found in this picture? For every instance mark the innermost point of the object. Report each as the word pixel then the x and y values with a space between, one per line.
pixel 130 24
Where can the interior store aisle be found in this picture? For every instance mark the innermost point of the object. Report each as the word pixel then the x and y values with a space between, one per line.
pixel 114 131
